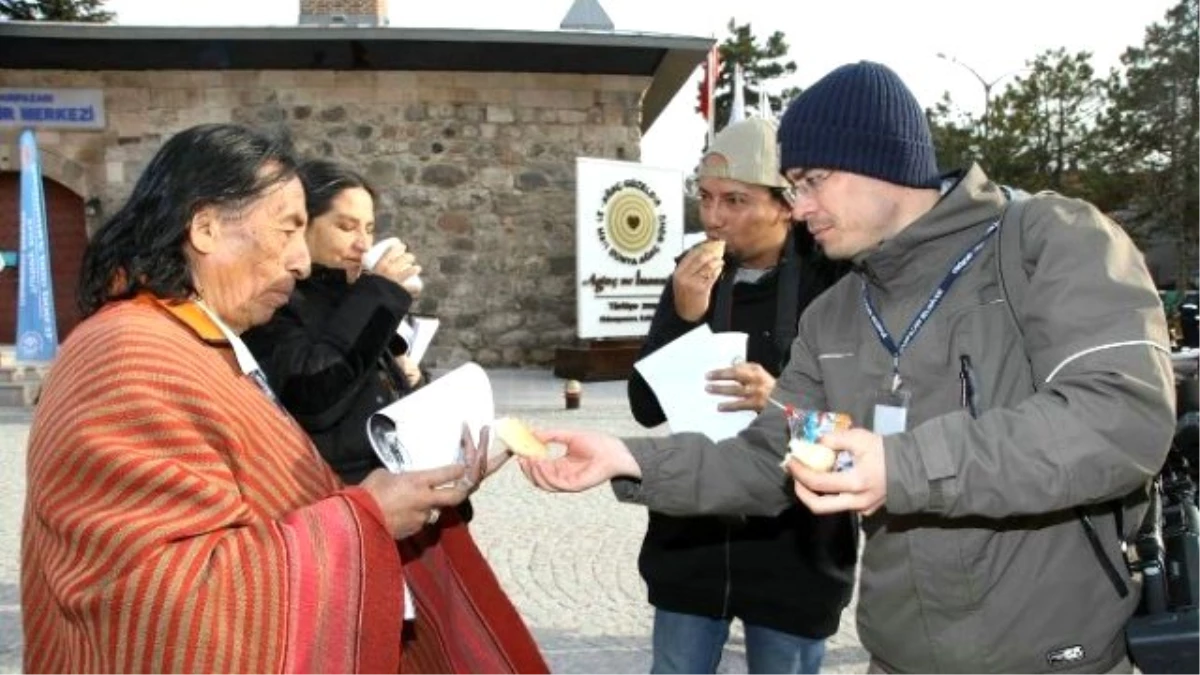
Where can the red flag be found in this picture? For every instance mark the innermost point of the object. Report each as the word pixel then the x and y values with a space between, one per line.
pixel 708 83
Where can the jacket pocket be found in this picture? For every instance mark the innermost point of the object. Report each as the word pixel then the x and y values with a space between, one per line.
pixel 953 563
pixel 849 379
pixel 985 333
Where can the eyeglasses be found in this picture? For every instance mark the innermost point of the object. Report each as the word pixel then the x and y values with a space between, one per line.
pixel 808 183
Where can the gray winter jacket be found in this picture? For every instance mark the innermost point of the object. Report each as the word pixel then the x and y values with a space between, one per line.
pixel 979 562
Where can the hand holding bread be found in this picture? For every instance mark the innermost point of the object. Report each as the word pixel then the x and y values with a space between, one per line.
pixel 813 455
pixel 694 277
pixel 861 487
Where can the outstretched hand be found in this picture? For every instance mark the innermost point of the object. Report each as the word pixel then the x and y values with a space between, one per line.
pixel 591 458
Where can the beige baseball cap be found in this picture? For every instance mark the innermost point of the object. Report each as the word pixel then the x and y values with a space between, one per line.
pixel 745 151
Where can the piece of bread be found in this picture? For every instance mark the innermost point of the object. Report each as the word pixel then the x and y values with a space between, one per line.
pixel 520 439
pixel 813 455
pixel 714 246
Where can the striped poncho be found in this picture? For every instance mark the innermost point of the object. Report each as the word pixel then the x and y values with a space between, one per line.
pixel 178 520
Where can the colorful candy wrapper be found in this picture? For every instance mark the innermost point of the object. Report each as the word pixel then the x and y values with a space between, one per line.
pixel 810 425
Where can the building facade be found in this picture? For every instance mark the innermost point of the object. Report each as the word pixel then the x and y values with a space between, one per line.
pixel 470 137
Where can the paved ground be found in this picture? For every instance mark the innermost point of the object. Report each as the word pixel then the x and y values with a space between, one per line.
pixel 14 427
pixel 568 561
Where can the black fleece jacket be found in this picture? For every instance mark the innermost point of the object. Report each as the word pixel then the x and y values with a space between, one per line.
pixel 327 354
pixel 792 573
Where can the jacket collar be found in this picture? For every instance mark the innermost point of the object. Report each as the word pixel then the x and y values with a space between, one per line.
pixel 206 326
pixel 334 277
pixel 189 314
pixel 926 248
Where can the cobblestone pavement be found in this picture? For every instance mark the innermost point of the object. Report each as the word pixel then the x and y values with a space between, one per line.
pixel 14 429
pixel 568 561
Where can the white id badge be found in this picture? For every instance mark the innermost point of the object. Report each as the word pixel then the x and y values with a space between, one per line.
pixel 889 415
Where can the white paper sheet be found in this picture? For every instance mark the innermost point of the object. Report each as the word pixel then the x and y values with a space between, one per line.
pixel 428 422
pixel 676 374
pixel 417 332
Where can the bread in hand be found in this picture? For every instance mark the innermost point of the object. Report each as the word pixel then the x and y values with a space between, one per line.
pixel 520 439
pixel 714 246
pixel 813 455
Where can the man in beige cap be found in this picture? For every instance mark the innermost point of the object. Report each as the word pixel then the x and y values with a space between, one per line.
pixel 786 577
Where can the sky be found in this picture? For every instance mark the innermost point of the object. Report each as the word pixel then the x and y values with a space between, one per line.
pixel 996 39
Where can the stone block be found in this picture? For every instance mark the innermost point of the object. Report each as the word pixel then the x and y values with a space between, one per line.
pixel 492 94
pixel 175 98
pixel 547 98
pixel 317 79
pixel 496 178
pixel 500 114
pixel 354 79
pixel 532 180
pixel 278 79
pixel 382 172
pixel 335 113
pixel 573 116
pixel 395 80
pixel 453 264
pixel 454 222
pixel 488 357
pixel 443 175
pixel 114 173
pixel 515 338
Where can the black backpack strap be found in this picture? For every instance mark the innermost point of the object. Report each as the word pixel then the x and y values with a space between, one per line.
pixel 1014 284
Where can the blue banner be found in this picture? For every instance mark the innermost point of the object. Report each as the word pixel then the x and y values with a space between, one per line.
pixel 37 329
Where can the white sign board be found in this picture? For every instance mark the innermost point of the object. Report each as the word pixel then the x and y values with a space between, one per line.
pixel 52 108
pixel 628 231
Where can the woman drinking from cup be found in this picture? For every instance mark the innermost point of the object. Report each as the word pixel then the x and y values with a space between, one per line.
pixel 332 353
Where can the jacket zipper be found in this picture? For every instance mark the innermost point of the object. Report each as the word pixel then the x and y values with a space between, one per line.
pixel 728 572
pixel 968 387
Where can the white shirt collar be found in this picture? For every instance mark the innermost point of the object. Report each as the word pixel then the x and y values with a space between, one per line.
pixel 245 359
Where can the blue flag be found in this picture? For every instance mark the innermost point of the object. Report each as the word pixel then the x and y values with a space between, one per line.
pixel 37 330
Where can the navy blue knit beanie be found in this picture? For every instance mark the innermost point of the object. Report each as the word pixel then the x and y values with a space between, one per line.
pixel 860 118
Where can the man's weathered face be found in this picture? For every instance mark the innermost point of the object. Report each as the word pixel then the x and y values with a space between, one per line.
pixel 245 262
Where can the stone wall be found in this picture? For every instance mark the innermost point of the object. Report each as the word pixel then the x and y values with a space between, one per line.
pixel 475 170
pixel 370 12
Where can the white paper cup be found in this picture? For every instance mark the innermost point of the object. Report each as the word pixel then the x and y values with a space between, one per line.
pixel 413 284
pixel 372 257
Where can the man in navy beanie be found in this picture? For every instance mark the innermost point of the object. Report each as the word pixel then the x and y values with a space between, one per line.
pixel 1009 393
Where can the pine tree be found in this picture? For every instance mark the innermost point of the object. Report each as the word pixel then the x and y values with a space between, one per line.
pixel 1153 132
pixel 760 64
pixel 87 11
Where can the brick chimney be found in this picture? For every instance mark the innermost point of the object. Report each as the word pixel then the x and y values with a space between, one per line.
pixel 343 13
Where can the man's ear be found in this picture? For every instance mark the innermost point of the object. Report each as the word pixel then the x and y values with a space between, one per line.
pixel 204 230
pixel 785 213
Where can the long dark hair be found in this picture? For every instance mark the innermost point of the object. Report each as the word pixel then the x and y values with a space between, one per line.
pixel 141 248
pixel 324 180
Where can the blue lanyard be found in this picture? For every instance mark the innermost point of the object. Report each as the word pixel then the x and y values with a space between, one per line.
pixel 931 304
